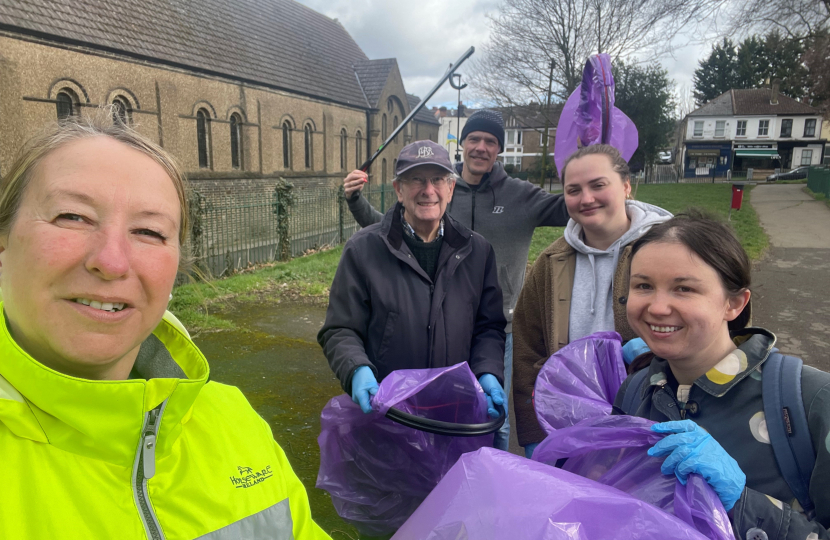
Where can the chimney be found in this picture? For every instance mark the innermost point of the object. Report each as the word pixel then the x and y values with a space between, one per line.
pixel 443 112
pixel 773 99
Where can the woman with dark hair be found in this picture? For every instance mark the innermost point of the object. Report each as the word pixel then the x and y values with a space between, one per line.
pixel 578 284
pixel 689 300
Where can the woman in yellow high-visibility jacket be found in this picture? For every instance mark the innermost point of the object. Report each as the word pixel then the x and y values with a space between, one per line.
pixel 109 427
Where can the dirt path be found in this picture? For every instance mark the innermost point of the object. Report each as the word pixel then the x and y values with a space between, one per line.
pixel 790 286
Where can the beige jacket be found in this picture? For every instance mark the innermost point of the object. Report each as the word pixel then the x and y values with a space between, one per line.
pixel 540 324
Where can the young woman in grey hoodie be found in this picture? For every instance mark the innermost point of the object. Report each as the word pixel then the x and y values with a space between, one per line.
pixel 578 285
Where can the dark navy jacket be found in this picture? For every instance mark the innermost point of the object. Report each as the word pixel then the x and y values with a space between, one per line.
pixel 385 312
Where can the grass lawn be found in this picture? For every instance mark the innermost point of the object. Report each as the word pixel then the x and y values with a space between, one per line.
pixel 308 278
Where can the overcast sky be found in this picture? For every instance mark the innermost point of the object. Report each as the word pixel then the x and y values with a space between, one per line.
pixel 427 35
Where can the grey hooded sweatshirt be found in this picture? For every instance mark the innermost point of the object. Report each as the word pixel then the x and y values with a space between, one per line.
pixel 592 307
pixel 502 209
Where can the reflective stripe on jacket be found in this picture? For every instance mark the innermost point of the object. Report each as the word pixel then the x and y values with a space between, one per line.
pixel 163 458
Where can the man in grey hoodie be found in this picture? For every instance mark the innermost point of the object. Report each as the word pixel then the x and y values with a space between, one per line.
pixel 504 210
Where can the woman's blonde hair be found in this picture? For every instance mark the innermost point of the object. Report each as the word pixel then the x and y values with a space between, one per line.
pixel 100 123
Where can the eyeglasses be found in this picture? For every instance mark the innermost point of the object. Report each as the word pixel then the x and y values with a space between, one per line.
pixel 420 182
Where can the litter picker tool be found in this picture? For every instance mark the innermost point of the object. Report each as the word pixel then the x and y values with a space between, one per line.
pixel 448 75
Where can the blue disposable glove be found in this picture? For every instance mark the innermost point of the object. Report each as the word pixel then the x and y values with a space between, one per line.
pixel 529 449
pixel 364 385
pixel 490 384
pixel 692 450
pixel 634 348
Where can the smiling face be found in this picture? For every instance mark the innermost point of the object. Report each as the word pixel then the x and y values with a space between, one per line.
pixel 424 203
pixel 595 195
pixel 679 306
pixel 480 152
pixel 91 257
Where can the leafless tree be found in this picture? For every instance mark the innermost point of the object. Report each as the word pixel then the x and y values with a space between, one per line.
pixel 685 99
pixel 527 35
pixel 793 18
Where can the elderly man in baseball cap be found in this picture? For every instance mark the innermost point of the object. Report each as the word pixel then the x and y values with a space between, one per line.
pixel 417 290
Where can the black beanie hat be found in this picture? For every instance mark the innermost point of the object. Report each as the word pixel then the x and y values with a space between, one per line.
pixel 487 121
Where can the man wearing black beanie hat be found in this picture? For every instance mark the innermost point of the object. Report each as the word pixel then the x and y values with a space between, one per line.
pixel 504 210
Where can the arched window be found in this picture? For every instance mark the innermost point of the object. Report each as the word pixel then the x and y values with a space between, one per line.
pixel 395 126
pixel 344 143
pixel 358 149
pixel 67 104
pixel 383 131
pixel 236 141
pixel 286 145
pixel 122 112
pixel 307 146
pixel 203 138
pixel 383 171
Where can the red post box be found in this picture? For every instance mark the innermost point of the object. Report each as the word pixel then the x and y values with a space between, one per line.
pixel 737 195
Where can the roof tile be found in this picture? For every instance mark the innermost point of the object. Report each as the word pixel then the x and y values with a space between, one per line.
pixel 279 43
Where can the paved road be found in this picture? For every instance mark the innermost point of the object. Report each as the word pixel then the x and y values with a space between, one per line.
pixel 790 286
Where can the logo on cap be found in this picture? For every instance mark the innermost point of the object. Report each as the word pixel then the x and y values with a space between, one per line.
pixel 425 151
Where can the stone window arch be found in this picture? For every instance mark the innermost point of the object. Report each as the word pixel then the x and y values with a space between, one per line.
pixel 344 147
pixel 286 144
pixel 67 104
pixel 236 141
pixel 122 111
pixel 358 149
pixel 308 145
pixel 203 138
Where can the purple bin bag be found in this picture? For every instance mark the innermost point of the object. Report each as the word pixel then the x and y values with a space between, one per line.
pixel 612 451
pixel 579 381
pixel 590 117
pixel 378 471
pixel 490 494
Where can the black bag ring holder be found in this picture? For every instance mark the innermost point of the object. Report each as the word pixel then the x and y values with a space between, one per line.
pixel 451 429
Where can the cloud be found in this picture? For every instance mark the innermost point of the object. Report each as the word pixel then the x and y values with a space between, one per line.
pixel 425 36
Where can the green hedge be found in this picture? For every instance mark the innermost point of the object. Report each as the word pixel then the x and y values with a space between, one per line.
pixel 818 180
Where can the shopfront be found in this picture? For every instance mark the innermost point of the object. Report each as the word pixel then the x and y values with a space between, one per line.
pixel 700 159
pixel 759 157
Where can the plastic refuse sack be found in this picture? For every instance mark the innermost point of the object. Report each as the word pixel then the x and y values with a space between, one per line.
pixel 590 117
pixel 579 381
pixel 378 471
pixel 490 494
pixel 612 451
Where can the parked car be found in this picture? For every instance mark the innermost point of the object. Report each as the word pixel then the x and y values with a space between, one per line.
pixel 795 174
pixel 664 157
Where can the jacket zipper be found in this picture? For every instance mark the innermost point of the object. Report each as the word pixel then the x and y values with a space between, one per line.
pixel 144 468
pixel 473 216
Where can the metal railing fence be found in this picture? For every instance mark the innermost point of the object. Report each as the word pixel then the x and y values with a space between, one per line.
pixel 243 229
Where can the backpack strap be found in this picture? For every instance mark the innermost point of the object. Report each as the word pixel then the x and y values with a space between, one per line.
pixel 633 392
pixel 787 425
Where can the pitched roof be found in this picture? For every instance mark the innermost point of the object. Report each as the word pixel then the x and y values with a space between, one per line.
pixel 530 116
pixel 372 75
pixel 720 106
pixel 424 115
pixel 752 101
pixel 278 43
pixel 757 101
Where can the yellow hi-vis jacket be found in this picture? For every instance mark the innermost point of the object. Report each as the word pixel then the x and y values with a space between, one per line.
pixel 154 459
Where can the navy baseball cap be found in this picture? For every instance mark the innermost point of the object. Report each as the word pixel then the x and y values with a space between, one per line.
pixel 423 153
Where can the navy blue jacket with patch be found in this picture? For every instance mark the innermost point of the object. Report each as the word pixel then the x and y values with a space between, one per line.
pixel 727 402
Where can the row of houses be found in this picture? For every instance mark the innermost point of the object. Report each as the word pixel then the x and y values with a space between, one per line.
pixel 235 90
pixel 524 128
pixel 759 129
